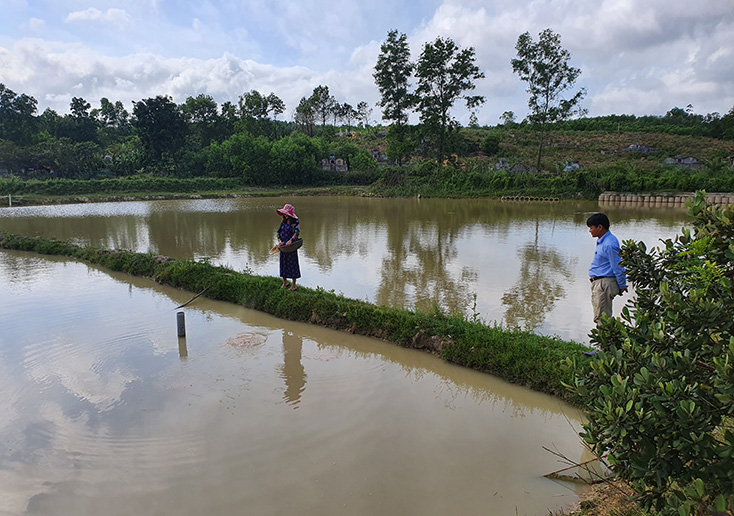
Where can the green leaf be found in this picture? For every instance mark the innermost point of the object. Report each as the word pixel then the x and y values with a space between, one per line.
pixel 720 503
pixel 699 487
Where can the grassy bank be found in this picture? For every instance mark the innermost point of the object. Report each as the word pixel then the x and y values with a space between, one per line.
pixel 477 179
pixel 469 179
pixel 517 356
pixel 36 199
pixel 65 191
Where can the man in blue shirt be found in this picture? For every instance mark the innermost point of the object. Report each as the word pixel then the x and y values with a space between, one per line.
pixel 608 279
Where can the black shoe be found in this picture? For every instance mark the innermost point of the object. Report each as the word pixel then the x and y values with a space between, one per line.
pixel 591 353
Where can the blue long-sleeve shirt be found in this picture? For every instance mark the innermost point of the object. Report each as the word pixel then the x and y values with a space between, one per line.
pixel 606 259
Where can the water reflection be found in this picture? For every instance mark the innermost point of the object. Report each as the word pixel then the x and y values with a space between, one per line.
pixel 183 351
pixel 106 412
pixel 543 272
pixel 292 370
pixel 510 262
pixel 419 259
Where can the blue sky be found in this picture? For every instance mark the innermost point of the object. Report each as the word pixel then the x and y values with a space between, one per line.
pixel 637 56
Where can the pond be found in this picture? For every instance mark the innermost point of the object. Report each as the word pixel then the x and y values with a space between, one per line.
pixel 106 411
pixel 516 264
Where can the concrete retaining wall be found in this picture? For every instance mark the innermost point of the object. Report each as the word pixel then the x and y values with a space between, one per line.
pixel 660 200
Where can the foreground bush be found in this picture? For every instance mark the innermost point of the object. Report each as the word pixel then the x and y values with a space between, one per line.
pixel 660 396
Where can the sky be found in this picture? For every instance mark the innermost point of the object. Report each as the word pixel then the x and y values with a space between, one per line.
pixel 637 57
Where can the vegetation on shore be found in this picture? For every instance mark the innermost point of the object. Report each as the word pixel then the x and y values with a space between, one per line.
pixel 605 163
pixel 517 356
pixel 200 148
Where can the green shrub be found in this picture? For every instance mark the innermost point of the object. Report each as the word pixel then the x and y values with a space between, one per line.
pixel 660 396
pixel 360 177
pixel 363 162
pixel 491 144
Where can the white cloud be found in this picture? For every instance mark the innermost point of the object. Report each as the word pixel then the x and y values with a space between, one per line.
pixel 34 25
pixel 112 15
pixel 636 57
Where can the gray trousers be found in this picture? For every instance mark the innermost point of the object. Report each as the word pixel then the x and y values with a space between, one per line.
pixel 603 291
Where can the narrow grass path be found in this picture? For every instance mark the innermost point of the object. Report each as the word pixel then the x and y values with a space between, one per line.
pixel 520 357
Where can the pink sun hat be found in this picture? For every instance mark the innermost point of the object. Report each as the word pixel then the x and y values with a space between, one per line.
pixel 289 210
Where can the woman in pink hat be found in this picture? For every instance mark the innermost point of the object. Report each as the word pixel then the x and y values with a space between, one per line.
pixel 288 231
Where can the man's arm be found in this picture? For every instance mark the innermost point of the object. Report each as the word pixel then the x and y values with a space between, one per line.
pixel 617 270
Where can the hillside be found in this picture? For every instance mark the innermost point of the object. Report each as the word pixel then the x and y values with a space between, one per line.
pixel 594 149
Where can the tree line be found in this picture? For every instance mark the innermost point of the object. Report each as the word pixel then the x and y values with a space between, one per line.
pixel 196 138
pixel 245 139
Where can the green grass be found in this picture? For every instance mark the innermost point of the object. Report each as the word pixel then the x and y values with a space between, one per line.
pixel 517 356
pixel 33 199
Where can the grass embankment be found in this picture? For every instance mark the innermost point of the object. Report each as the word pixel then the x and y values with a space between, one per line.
pixel 517 356
pixel 63 191
pixel 39 199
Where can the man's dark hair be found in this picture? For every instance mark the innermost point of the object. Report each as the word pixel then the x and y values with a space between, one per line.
pixel 597 219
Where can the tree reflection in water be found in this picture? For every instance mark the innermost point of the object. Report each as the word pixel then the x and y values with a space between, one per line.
pixel 543 271
pixel 417 271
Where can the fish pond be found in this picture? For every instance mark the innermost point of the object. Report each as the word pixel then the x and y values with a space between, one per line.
pixel 107 411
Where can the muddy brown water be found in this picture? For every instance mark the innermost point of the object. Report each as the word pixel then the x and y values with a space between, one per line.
pixel 518 264
pixel 106 411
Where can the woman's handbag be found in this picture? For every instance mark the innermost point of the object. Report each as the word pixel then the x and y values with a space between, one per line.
pixel 289 248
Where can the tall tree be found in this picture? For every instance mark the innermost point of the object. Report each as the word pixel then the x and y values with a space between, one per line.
pixel 161 127
pixel 113 121
pixel 322 102
pixel 253 105
pixel 364 111
pixel 544 67
pixel 111 115
pixel 445 74
pixel 336 112
pixel 17 123
pixel 227 121
pixel 305 115
pixel 276 106
pixel 347 113
pixel 392 77
pixel 80 125
pixel 49 122
pixel 256 108
pixel 202 115
pixel 507 118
